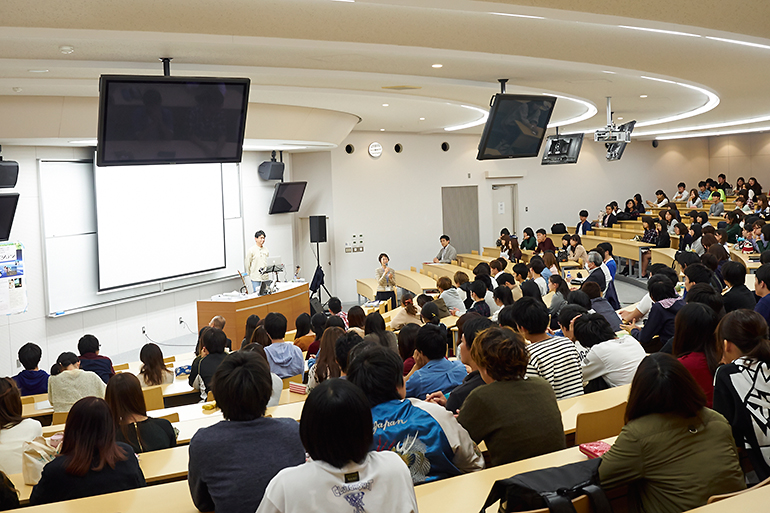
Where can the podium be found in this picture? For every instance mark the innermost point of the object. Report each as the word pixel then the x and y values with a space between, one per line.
pixel 290 301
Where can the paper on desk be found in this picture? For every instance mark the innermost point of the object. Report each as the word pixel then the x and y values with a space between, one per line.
pixel 42 405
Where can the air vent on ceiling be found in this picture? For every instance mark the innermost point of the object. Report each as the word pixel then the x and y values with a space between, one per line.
pixel 401 87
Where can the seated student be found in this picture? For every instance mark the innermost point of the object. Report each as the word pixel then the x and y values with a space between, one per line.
pixel 515 415
pixel 467 333
pixel 610 358
pixel 513 280
pixel 609 218
pixel 342 348
pixel 341 474
pixel 503 297
pixel 536 268
pixel 560 290
pixel 681 192
pixel 584 226
pixel 733 226
pixel 91 360
pixel 90 462
pixel 601 305
pixel 126 401
pixel 443 311
pixel 698 273
pixel 694 200
pixel 357 320
pixel 554 359
pixel 235 480
pixel 252 321
pixel 576 250
pixel 595 272
pixel 326 365
pixel 703 192
pixel 666 304
pixel 450 296
pixel 318 322
pixel 376 331
pixel 14 430
pixel 495 268
pixel 275 397
pixel 406 339
pixel 285 358
pixel 673 452
pixel 478 293
pixel 447 253
pixel 609 259
pixel 695 345
pixel 763 240
pixel 31 380
pixel 426 436
pixel 661 200
pixel 717 208
pixel 69 383
pixel 630 212
pixel 304 337
pixel 219 322
pixel 716 192
pixel 409 313
pixel 551 263
pixel 738 294
pixel 544 243
pixel 528 240
pixel 432 371
pixel 742 204
pixel 567 317
pixel 681 230
pixel 335 307
pixel 463 284
pixel 204 366
pixel 153 370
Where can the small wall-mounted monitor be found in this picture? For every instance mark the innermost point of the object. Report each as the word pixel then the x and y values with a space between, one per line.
pixel 562 149
pixel 170 120
pixel 8 204
pixel 287 197
pixel 516 126
pixel 615 150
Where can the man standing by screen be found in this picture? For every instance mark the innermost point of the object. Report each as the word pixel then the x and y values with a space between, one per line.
pixel 256 259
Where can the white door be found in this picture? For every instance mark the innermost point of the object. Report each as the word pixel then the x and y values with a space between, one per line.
pixel 503 202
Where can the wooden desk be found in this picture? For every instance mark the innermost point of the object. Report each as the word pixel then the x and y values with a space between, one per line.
pixel 570 408
pixel 629 249
pixel 291 302
pixel 415 282
pixel 366 287
pixel 448 270
pixel 740 257
pixel 664 256
pixel 474 260
pixel 491 251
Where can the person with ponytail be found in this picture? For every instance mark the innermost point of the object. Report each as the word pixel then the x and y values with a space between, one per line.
pixel 408 314
pixel 742 385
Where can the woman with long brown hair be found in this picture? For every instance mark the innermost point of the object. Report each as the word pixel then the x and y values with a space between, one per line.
pixel 14 430
pixel 153 371
pixel 126 401
pixel 326 363
pixel 408 313
pixel 91 462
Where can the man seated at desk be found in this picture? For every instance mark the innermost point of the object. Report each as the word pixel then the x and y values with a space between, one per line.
pixel 447 253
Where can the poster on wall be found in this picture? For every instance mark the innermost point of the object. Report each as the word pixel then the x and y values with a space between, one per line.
pixel 13 283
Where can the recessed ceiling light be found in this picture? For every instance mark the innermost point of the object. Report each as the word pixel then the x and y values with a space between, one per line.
pixel 620 118
pixel 17 89
pixel 437 66
pixel 385 105
pixel 659 31
pixel 382 129
pixel 517 15
pixel 66 49
pixel 736 42
pixel 608 72
pixel 642 96
pixel 38 70
pixel 422 119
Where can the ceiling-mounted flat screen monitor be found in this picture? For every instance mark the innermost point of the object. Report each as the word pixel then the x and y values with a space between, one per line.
pixel 8 204
pixel 562 149
pixel 287 197
pixel 516 126
pixel 170 120
pixel 615 150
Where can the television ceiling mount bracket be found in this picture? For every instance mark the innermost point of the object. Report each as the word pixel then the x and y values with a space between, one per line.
pixel 166 65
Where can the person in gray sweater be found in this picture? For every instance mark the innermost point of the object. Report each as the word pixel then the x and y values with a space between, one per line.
pixel 232 461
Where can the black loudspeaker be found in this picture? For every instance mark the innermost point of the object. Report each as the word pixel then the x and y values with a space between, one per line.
pixel 9 173
pixel 317 228
pixel 271 170
pixel 315 306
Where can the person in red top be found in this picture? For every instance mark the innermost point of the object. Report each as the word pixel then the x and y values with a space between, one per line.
pixel 91 360
pixel 544 243
pixel 695 345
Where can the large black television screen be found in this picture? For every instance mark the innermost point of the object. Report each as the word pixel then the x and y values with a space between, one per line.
pixel 287 197
pixel 170 120
pixel 515 127
pixel 562 149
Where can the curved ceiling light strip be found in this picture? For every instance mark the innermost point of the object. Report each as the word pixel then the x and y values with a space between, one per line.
pixel 480 121
pixel 713 101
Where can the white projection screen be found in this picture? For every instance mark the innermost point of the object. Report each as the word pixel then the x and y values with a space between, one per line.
pixel 158 222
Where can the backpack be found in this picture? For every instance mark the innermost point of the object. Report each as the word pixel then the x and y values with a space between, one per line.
pixel 558 228
pixel 624 216
pixel 552 488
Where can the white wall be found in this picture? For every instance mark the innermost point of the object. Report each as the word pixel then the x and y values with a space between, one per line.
pixel 395 200
pixel 740 155
pixel 118 327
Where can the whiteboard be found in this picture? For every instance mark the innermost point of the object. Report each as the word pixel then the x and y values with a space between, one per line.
pixel 68 217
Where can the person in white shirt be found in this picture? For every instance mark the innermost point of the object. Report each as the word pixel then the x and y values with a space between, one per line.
pixel 681 192
pixel 660 201
pixel 14 430
pixel 451 296
pixel 256 259
pixel 611 358
pixel 69 383
pixel 342 474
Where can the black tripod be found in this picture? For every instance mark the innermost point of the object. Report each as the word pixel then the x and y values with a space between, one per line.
pixel 318 277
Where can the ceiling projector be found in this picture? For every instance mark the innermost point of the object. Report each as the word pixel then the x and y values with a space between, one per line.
pixel 612 134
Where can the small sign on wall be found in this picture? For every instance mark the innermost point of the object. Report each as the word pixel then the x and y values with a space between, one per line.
pixel 501 207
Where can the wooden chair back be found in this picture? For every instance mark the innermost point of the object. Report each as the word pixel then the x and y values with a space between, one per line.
pixel 121 367
pixel 209 397
pixel 474 252
pixel 169 359
pixel 27 399
pixel 59 417
pixel 171 417
pixel 717 498
pixel 291 379
pixel 596 425
pixel 290 336
pixel 414 269
pixel 153 398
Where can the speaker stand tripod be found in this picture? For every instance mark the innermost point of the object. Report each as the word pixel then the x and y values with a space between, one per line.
pixel 319 276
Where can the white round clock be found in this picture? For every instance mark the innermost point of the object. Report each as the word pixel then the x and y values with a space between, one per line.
pixel 375 149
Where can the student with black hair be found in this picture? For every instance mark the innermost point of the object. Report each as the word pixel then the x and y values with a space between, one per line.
pixel 560 289
pixel 555 359
pixel 681 230
pixel 705 294
pixel 666 304
pixel 335 307
pixel 567 318
pixel 318 322
pixel 742 386
pixel 610 358
pixel 695 345
pixel 511 282
pixel 285 358
pixel 447 253
pixel 14 429
pixel 578 297
pixel 576 249
pixel 432 371
pixel 91 360
pixel 402 424
pixel 673 452
pixel 408 313
pixel 609 259
pixel 69 383
pixel 478 293
pixel 342 348
pixel 515 415
pixel 543 242
pixel 503 297
pixel 536 268
pixel 697 273
pixel 528 240
pixel 221 477
pixel 212 354
pixel 31 380
pixel 406 339
pixel 762 289
pixel 470 328
pixel 661 199
pixel 681 192
pixel 737 294
pixel 342 474
pixel 600 305
pixel 584 226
